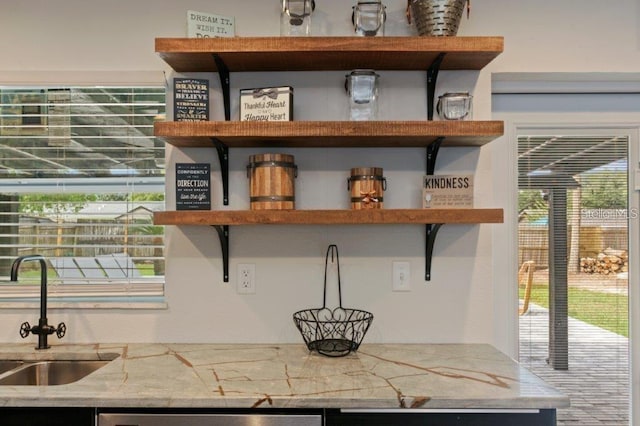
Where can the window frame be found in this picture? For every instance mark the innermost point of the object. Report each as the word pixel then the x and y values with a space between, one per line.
pixel 89 292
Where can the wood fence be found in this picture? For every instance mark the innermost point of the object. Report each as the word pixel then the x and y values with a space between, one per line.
pixel 533 242
pixel 89 240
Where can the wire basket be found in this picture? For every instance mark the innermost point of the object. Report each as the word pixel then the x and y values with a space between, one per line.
pixel 332 332
pixel 436 17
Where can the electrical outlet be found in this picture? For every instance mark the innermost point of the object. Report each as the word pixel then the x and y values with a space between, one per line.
pixel 401 276
pixel 246 278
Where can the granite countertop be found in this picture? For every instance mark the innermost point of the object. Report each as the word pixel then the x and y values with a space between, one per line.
pixel 378 376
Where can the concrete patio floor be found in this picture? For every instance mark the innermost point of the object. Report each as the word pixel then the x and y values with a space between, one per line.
pixel 597 381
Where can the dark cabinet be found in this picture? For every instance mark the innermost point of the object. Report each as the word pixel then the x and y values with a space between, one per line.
pixel 82 416
pixel 46 416
pixel 452 418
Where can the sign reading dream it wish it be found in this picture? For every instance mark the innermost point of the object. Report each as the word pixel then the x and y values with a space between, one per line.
pixel 208 25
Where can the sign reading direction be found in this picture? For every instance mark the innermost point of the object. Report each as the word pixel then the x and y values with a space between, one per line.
pixel 193 186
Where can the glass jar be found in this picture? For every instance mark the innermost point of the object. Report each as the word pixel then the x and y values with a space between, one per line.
pixel 295 18
pixel 362 88
pixel 454 106
pixel 368 18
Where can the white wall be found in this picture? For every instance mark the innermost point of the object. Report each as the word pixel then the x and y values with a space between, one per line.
pixel 49 41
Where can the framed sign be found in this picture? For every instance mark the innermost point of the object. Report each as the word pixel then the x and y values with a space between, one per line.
pixel 207 25
pixel 447 191
pixel 266 104
pixel 193 186
pixel 190 99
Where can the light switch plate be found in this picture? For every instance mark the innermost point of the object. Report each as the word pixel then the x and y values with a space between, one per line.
pixel 401 276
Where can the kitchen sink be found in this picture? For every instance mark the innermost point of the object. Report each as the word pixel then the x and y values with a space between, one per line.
pixel 9 365
pixel 47 373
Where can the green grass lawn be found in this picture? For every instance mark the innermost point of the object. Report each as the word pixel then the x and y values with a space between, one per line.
pixel 32 274
pixel 146 269
pixel 604 310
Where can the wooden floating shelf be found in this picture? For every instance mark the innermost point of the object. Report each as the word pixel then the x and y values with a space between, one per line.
pixel 327 53
pixel 328 217
pixel 328 133
pixel 237 54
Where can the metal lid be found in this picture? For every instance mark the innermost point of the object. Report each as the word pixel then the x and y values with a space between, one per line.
pixel 449 95
pixel 363 72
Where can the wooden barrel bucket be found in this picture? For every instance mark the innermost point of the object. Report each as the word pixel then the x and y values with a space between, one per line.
pixel 366 185
pixel 272 181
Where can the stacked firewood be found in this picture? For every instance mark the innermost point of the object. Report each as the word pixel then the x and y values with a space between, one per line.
pixel 609 261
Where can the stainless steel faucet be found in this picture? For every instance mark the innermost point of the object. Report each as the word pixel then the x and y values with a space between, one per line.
pixel 43 329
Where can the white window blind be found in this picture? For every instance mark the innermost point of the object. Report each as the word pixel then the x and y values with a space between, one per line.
pixel 573 281
pixel 80 177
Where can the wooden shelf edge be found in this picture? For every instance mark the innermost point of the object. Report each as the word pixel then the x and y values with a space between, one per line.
pixel 330 43
pixel 329 217
pixel 328 53
pixel 327 128
pixel 329 133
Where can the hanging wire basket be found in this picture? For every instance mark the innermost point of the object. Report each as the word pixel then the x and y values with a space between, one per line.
pixel 332 332
pixel 436 17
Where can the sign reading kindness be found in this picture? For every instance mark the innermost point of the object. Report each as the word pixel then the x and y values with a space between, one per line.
pixel 447 191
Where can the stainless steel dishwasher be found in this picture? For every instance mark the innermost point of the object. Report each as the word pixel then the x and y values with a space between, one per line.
pixel 171 419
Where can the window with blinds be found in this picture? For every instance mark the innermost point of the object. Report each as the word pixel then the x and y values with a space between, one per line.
pixel 573 280
pixel 80 177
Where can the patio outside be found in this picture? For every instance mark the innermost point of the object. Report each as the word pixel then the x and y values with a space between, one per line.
pixel 597 381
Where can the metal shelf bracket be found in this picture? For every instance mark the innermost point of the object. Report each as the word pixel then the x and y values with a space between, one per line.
pixel 432 78
pixel 223 235
pixel 223 156
pixel 432 231
pixel 225 82
pixel 432 154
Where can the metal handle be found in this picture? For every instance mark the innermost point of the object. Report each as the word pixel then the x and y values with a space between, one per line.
pixel 61 330
pixel 25 329
pixel 384 181
pixel 331 249
pixel 285 9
